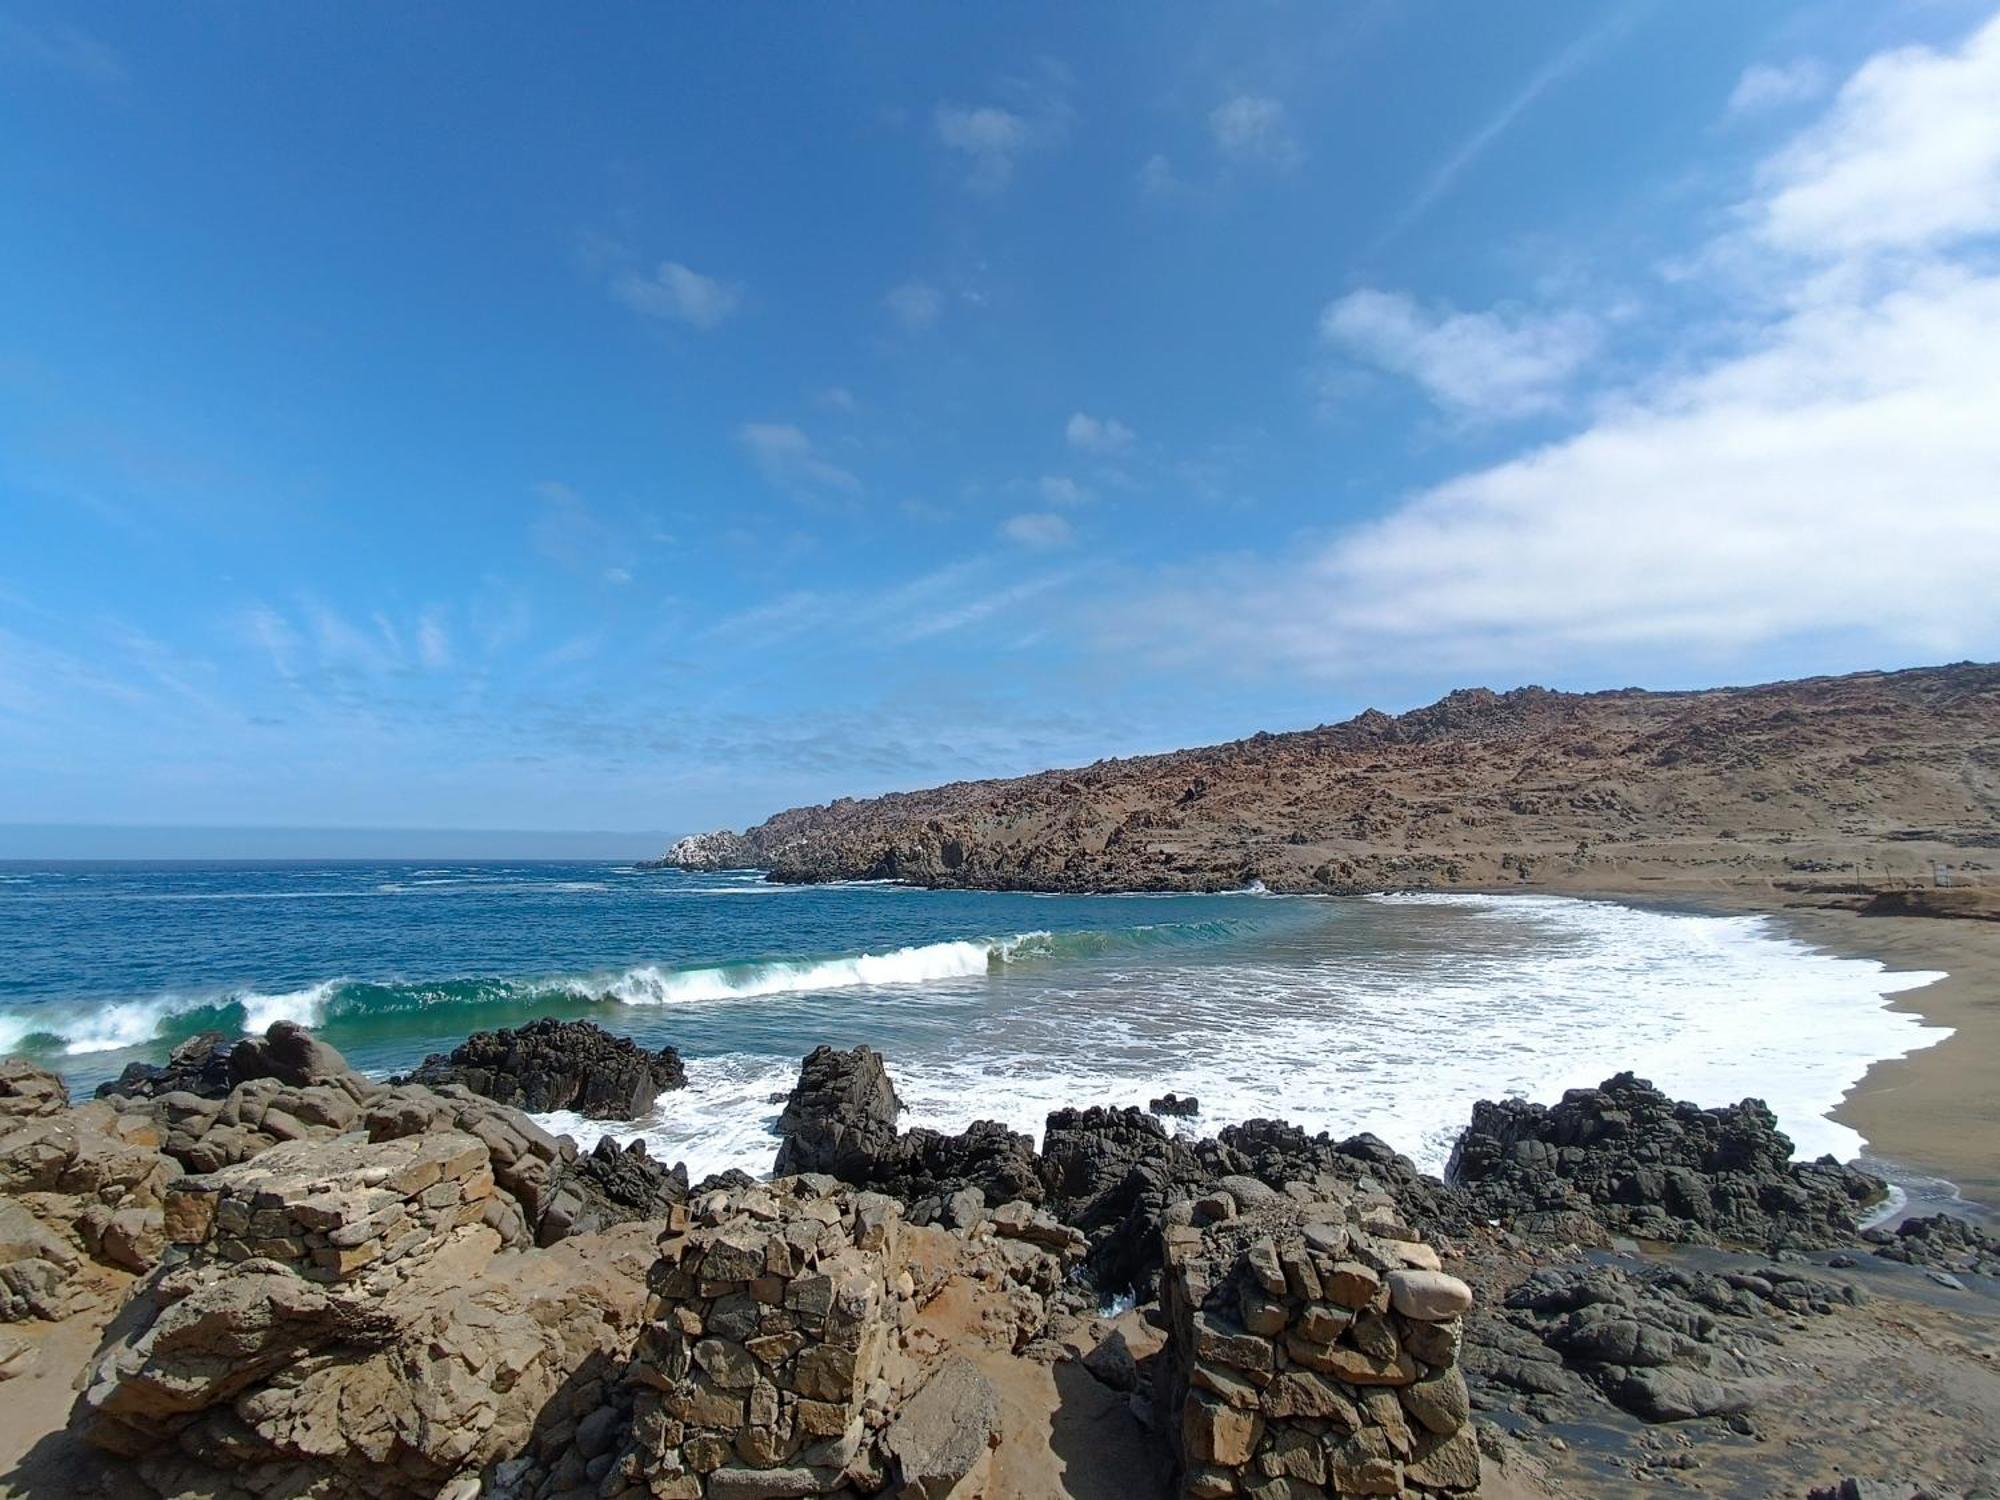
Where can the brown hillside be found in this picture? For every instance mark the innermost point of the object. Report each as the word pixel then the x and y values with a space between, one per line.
pixel 1869 778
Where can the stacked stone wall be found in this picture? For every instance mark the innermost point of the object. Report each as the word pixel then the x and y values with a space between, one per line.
pixel 770 1360
pixel 1312 1350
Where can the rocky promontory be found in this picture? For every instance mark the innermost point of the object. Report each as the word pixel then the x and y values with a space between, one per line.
pixel 1828 782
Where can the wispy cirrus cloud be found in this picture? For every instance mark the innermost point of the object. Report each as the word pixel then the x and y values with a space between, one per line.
pixel 1031 112
pixel 61 47
pixel 1614 25
pixel 1771 86
pixel 914 305
pixel 1043 531
pixel 1098 435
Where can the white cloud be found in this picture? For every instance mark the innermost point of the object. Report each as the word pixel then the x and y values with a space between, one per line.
pixel 915 305
pixel 1042 530
pixel 1834 475
pixel 433 640
pixel 1907 158
pixel 679 294
pixel 1097 434
pixel 1060 489
pixel 61 48
pixel 1157 178
pixel 1252 128
pixel 1773 86
pixel 838 398
pixel 1508 362
pixel 789 459
pixel 991 138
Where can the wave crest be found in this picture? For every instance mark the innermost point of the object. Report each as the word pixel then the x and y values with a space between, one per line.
pixel 347 1003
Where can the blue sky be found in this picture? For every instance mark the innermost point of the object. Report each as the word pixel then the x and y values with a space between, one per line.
pixel 450 418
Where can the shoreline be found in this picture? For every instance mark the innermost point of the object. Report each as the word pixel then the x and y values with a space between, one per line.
pixel 1933 1113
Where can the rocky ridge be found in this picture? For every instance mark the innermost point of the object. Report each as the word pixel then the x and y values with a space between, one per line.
pixel 1794 782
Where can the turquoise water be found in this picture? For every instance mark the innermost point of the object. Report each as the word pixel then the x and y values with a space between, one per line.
pixel 1387 1014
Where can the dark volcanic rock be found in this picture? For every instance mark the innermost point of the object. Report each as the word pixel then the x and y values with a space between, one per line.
pixel 841 1119
pixel 208 1066
pixel 610 1186
pixel 198 1066
pixel 1112 1173
pixel 1626 1157
pixel 550 1064
pixel 1940 1242
pixel 999 1163
pixel 841 1116
pixel 1173 1106
pixel 1665 1343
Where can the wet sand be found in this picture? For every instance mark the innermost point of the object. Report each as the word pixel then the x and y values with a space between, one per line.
pixel 1938 1110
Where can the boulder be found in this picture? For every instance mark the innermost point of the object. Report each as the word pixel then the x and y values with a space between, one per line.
pixel 198 1066
pixel 28 1092
pixel 550 1065
pixel 234 1377
pixel 293 1055
pixel 941 1443
pixel 840 1117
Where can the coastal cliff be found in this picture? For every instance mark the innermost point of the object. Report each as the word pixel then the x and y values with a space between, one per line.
pixel 1868 779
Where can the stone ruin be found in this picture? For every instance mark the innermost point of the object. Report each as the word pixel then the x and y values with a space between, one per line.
pixel 768 1362
pixel 1312 1349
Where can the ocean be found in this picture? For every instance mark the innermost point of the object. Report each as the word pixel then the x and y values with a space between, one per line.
pixel 1390 1014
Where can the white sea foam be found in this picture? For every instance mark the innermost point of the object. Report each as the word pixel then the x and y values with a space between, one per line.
pixel 306 1006
pixel 1489 997
pixel 724 1118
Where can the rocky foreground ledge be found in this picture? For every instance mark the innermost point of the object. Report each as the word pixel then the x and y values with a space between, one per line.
pixel 293 1280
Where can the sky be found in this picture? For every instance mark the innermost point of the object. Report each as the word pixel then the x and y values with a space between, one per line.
pixel 478 418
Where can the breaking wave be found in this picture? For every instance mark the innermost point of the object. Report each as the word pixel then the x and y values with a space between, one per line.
pixel 351 1005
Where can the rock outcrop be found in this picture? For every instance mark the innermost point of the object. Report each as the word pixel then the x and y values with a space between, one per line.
pixel 1940 1242
pixel 1624 1157
pixel 77 1186
pixel 1665 1343
pixel 339 1324
pixel 840 1119
pixel 198 1066
pixel 559 1065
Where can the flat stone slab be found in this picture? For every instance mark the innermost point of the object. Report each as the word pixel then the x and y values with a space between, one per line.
pixel 944 1433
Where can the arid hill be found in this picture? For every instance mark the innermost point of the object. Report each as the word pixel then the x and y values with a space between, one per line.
pixel 1864 780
